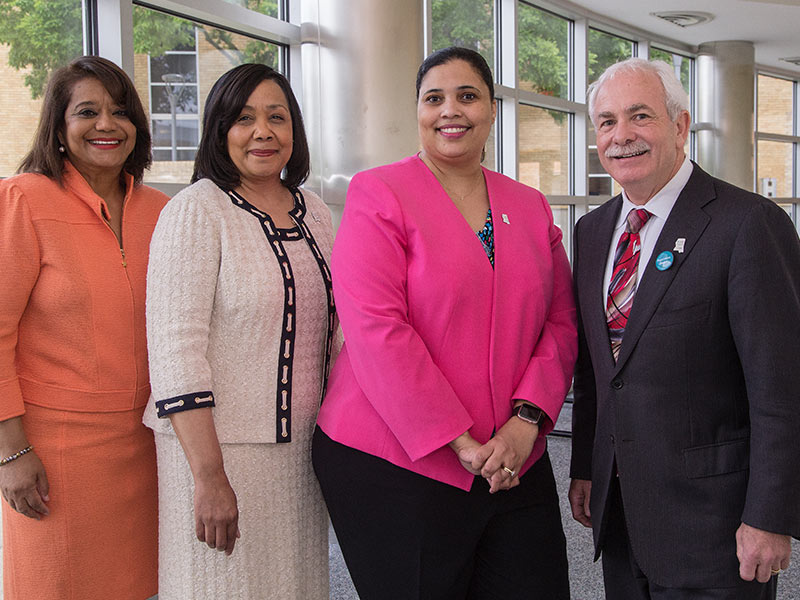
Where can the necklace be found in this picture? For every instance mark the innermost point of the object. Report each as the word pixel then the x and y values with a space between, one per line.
pixel 457 198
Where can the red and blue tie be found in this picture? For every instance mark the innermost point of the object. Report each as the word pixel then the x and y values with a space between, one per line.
pixel 623 278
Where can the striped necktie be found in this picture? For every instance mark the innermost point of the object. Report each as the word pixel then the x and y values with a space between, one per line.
pixel 623 278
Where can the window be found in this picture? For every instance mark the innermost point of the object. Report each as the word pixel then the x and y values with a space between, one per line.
pixel 544 149
pixel 605 49
pixel 777 138
pixel 35 39
pixel 271 8
pixel 466 23
pixel 176 63
pixel 543 51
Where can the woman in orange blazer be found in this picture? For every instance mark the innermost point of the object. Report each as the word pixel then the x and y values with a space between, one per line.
pixel 455 299
pixel 77 467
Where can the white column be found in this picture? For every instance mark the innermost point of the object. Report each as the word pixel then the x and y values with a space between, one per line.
pixel 360 59
pixel 725 107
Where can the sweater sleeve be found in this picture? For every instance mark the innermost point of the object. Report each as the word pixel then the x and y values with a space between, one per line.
pixel 181 284
pixel 19 269
pixel 389 359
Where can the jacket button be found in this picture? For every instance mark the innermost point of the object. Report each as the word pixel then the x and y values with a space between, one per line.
pixel 617 384
pixel 613 440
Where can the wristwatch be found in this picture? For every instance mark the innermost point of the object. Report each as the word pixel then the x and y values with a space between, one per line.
pixel 529 413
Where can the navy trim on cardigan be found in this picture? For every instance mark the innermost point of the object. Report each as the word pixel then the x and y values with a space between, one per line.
pixel 177 404
pixel 276 237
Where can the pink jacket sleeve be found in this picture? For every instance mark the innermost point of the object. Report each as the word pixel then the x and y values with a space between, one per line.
pixel 389 359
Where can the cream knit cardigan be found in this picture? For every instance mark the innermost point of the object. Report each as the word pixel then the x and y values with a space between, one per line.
pixel 215 305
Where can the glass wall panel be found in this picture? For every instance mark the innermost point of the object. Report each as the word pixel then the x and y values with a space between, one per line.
pixel 270 8
pixel 600 182
pixel 775 105
pixel 467 23
pixel 35 39
pixel 490 156
pixel 606 49
pixel 544 149
pixel 775 164
pixel 562 216
pixel 176 62
pixel 543 51
pixel 681 64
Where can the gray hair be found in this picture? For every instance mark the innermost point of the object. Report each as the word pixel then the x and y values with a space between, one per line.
pixel 676 98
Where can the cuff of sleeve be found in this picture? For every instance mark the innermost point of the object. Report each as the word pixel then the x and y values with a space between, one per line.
pixel 176 404
pixel 12 404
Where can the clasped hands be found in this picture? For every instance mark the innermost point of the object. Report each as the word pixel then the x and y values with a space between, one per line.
pixel 507 450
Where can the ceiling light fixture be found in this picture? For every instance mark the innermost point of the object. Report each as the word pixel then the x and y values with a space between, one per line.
pixel 684 18
pixel 795 60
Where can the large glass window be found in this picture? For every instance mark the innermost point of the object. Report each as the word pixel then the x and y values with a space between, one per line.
pixel 777 137
pixel 176 63
pixel 271 8
pixel 35 39
pixel 543 51
pixel 466 23
pixel 775 105
pixel 681 64
pixel 605 49
pixel 544 149
pixel 775 169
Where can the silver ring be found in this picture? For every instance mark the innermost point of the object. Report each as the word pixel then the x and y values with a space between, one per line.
pixel 509 471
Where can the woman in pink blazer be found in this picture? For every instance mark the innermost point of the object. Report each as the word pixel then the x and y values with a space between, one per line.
pixel 455 299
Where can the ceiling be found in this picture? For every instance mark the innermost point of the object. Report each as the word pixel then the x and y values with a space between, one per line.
pixel 772 25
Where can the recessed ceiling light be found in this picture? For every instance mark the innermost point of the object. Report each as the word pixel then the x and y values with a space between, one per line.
pixel 684 18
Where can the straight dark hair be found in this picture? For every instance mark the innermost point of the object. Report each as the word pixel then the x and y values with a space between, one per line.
pixel 44 156
pixel 446 55
pixel 223 106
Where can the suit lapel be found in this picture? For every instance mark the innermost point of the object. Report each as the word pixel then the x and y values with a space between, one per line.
pixel 594 255
pixel 687 220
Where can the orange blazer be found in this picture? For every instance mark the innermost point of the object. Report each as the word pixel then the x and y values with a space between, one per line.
pixel 72 329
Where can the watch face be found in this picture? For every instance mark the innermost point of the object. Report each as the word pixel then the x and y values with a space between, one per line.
pixel 526 412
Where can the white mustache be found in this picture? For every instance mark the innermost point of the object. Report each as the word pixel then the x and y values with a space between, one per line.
pixel 628 149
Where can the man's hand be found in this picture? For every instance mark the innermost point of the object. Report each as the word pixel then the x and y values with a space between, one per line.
pixel 761 553
pixel 580 492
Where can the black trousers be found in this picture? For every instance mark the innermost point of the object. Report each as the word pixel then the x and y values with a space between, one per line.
pixel 408 537
pixel 624 580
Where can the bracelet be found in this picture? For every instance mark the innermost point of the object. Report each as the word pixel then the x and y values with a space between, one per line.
pixel 15 456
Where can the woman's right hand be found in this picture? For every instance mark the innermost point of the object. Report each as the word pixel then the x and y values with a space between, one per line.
pixel 466 448
pixel 216 513
pixel 24 486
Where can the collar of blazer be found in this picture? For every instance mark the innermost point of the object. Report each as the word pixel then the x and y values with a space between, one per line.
pixel 687 220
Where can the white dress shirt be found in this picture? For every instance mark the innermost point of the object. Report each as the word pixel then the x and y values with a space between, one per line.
pixel 659 207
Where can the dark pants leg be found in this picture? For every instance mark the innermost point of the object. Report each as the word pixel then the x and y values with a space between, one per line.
pixel 408 537
pixel 522 552
pixel 624 580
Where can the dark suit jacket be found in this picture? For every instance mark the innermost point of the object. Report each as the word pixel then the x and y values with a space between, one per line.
pixel 701 412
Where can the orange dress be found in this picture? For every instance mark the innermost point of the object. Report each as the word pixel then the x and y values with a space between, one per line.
pixel 73 363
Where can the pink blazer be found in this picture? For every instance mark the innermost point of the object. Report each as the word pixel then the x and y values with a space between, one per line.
pixel 436 341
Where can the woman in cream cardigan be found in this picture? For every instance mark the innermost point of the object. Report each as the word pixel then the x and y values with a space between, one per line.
pixel 240 322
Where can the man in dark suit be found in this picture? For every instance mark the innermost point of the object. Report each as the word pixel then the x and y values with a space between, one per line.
pixel 686 422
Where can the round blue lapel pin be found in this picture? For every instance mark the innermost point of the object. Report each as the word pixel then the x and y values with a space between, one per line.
pixel 664 260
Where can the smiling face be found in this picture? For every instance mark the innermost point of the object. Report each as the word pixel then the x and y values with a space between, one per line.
pixel 455 113
pixel 98 135
pixel 638 144
pixel 260 139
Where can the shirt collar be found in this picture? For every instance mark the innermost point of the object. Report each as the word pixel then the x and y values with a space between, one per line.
pixel 661 204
